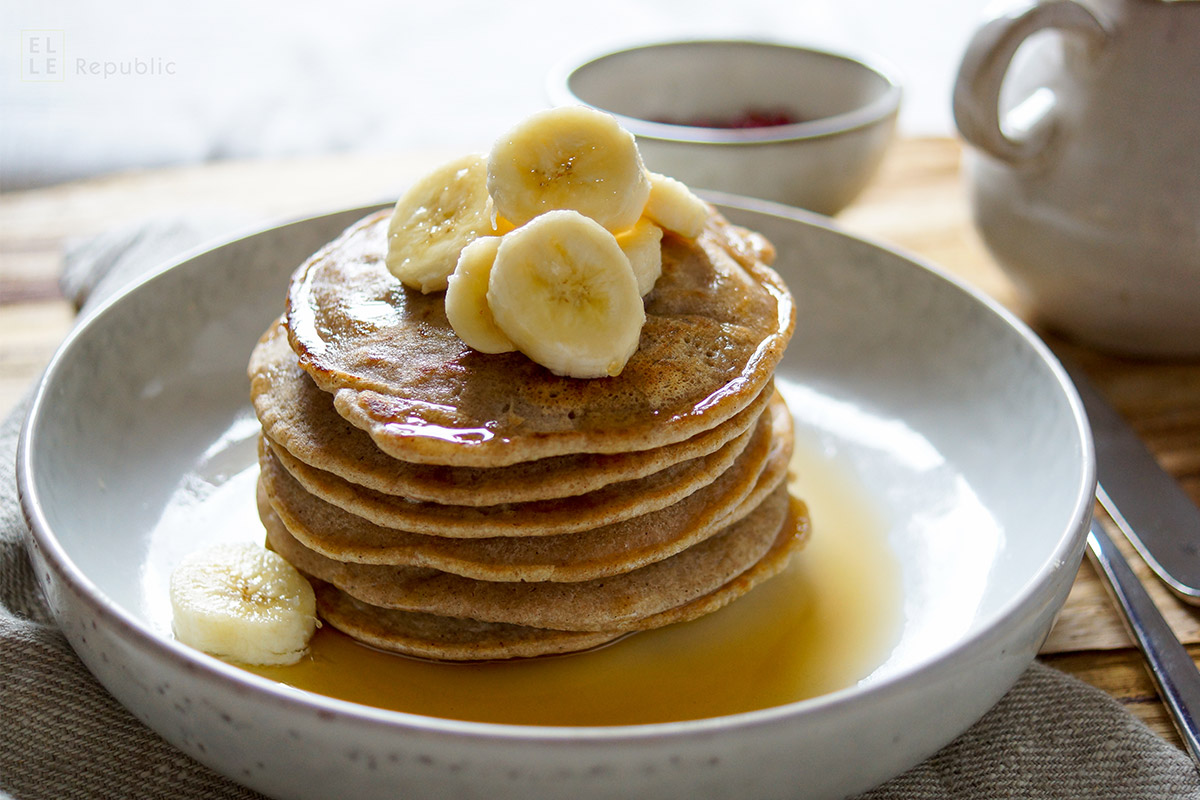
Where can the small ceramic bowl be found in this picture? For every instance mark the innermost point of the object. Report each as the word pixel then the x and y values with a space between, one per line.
pixel 780 122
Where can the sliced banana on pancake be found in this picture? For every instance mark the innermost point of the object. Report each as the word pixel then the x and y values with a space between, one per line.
pixel 563 291
pixel 467 307
pixel 642 245
pixel 673 206
pixel 435 219
pixel 568 158
pixel 241 602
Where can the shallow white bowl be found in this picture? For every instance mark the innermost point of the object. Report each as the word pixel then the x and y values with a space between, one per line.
pixel 848 110
pixel 956 421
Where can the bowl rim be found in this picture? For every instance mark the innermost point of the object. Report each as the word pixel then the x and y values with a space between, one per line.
pixel 880 109
pixel 229 679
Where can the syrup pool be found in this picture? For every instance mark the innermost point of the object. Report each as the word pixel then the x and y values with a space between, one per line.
pixel 825 623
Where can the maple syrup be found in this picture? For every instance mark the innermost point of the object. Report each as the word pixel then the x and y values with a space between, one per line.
pixel 823 624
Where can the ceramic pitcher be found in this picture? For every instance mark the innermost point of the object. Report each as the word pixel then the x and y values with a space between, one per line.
pixel 1084 171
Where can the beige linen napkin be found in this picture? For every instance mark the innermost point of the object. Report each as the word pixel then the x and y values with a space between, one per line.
pixel 63 737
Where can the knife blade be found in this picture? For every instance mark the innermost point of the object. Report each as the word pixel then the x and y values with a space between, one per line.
pixel 1144 501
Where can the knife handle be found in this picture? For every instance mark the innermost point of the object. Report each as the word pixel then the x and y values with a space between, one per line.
pixel 1172 668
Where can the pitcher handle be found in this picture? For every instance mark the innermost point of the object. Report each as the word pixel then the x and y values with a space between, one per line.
pixel 988 57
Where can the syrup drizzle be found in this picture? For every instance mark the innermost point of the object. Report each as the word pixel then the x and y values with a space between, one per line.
pixel 823 624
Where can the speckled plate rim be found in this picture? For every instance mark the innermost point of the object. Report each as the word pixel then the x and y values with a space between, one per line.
pixel 1066 554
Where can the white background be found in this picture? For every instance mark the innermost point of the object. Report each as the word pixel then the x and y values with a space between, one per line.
pixel 273 79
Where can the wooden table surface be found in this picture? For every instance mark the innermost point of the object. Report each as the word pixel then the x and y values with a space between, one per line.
pixel 918 202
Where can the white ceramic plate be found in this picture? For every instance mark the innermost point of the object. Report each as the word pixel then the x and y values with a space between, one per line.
pixel 955 421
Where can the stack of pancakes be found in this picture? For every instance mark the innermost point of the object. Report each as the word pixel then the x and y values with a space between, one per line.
pixel 461 506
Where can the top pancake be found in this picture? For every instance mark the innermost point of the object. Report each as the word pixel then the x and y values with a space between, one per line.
pixel 717 323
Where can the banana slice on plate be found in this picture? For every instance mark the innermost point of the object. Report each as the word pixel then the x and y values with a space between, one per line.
pixel 243 603
pixel 642 245
pixel 467 307
pixel 673 206
pixel 435 219
pixel 565 294
pixel 568 158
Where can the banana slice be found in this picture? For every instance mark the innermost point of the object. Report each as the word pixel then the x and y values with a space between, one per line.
pixel 466 299
pixel 568 158
pixel 435 219
pixel 241 602
pixel 642 245
pixel 673 206
pixel 565 294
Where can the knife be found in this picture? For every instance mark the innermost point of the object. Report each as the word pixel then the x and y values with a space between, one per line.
pixel 1145 502
pixel 1171 666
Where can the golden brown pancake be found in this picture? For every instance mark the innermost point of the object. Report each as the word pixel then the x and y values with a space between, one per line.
pixel 614 503
pixel 717 323
pixel 446 638
pixel 456 639
pixel 299 417
pixel 596 553
pixel 603 604
pixel 792 536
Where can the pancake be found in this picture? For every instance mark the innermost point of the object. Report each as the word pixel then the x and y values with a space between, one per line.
pixel 446 638
pixel 603 604
pixel 300 418
pixel 717 323
pixel 614 503
pixel 455 639
pixel 609 550
pixel 792 536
